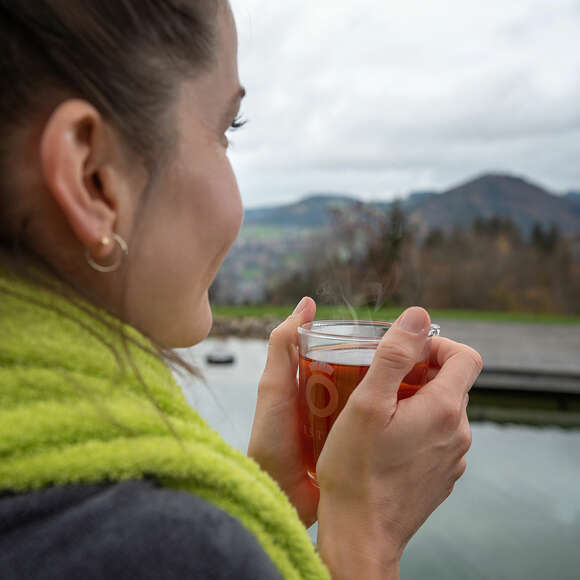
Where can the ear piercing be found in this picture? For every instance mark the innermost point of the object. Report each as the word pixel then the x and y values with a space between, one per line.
pixel 104 242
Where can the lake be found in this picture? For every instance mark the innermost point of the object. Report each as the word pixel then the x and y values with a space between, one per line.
pixel 515 514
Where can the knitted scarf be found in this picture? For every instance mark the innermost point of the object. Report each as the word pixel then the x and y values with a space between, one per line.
pixel 80 404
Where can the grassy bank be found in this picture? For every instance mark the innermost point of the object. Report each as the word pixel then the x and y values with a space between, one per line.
pixel 340 312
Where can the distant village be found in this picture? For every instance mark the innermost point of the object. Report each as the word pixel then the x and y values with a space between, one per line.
pixel 255 263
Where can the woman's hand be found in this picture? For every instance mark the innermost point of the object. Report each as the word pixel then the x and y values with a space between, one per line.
pixel 275 439
pixel 387 465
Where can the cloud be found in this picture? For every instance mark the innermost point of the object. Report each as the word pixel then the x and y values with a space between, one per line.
pixel 378 98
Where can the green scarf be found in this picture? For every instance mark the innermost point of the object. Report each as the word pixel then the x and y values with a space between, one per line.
pixel 73 410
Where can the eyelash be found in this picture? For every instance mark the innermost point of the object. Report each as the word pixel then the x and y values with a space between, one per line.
pixel 238 122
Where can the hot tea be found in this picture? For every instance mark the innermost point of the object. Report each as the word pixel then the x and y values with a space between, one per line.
pixel 328 375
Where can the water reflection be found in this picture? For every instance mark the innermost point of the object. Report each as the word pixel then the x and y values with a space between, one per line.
pixel 515 514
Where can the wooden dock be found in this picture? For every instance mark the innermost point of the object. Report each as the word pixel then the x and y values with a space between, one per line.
pixel 526 396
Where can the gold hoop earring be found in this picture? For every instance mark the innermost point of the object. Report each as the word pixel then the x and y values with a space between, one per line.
pixel 105 241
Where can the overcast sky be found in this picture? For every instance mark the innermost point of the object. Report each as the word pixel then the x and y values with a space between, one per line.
pixel 378 98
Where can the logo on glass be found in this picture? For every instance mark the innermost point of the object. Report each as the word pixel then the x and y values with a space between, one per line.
pixel 313 385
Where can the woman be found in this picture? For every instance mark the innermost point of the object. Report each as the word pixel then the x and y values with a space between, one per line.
pixel 118 206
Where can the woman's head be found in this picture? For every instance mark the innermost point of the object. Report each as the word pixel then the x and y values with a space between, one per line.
pixel 113 116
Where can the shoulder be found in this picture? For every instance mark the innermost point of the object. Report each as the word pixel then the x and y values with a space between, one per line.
pixel 133 529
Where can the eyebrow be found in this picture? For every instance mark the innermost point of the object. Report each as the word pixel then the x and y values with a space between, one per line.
pixel 241 93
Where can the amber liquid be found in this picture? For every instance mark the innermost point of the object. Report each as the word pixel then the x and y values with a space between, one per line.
pixel 327 377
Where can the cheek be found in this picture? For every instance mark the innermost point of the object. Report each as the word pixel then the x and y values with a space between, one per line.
pixel 190 224
pixel 234 213
pixel 218 210
pixel 212 217
pixel 184 236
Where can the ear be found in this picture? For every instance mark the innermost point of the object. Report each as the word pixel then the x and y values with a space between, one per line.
pixel 74 153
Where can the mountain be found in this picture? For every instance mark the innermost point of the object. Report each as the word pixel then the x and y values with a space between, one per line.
pixel 312 211
pixel 485 196
pixel 315 210
pixel 414 200
pixel 500 195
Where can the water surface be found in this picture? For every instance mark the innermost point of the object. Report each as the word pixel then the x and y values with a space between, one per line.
pixel 515 514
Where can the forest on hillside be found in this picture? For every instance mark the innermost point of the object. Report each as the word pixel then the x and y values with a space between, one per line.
pixel 372 258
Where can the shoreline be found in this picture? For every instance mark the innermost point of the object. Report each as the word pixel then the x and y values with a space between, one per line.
pixel 526 379
pixel 244 326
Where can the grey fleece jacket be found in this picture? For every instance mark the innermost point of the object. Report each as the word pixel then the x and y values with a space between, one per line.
pixel 133 529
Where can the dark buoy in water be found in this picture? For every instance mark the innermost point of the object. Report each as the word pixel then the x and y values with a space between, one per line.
pixel 220 358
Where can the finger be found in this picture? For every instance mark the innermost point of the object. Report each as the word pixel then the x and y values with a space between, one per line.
pixel 443 348
pixel 432 372
pixel 282 362
pixel 434 367
pixel 400 349
pixel 461 469
pixel 460 367
pixel 464 435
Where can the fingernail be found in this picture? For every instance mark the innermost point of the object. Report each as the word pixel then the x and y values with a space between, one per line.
pixel 300 306
pixel 414 320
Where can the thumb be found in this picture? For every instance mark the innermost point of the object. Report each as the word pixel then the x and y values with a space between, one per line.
pixel 281 365
pixel 404 345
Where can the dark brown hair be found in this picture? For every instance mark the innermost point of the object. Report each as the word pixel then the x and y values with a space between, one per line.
pixel 126 57
pixel 123 56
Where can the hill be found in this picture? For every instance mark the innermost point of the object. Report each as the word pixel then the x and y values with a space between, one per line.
pixel 500 195
pixel 315 210
pixel 485 196
pixel 310 212
pixel 276 239
pixel 573 196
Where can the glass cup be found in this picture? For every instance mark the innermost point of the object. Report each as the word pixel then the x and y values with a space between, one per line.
pixel 335 355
